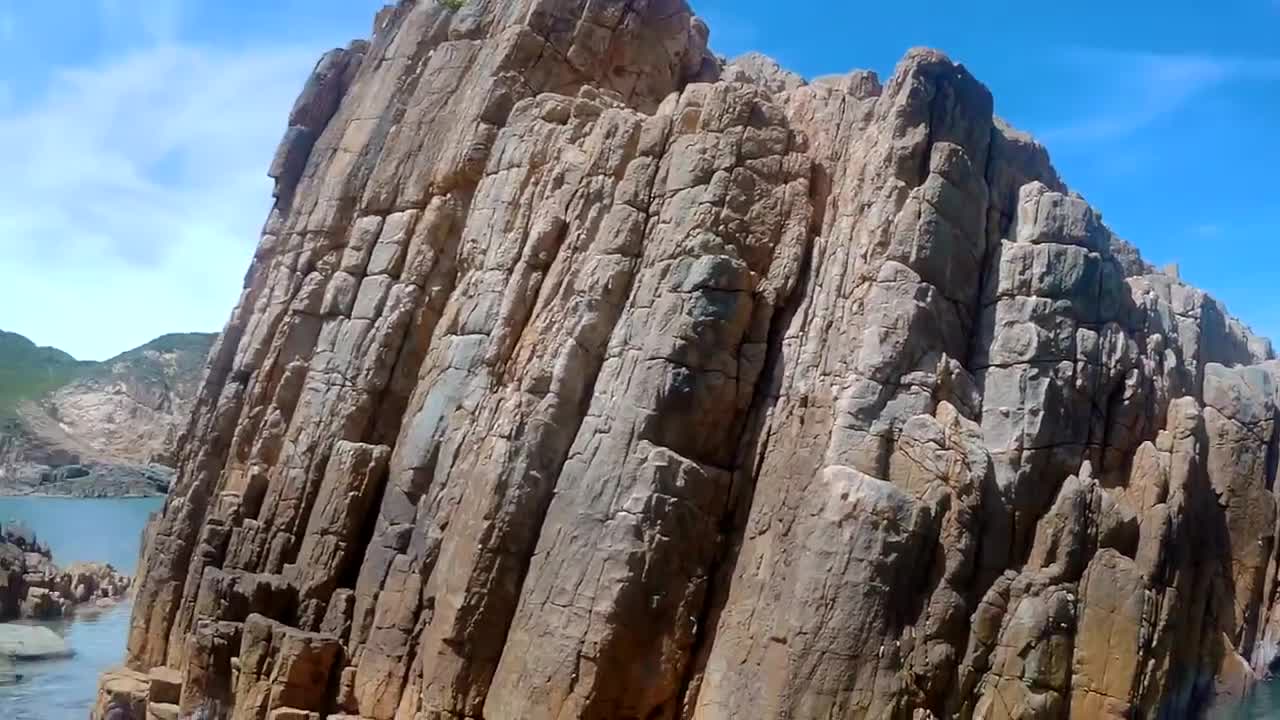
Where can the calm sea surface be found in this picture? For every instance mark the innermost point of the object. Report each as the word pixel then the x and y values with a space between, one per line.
pixel 99 530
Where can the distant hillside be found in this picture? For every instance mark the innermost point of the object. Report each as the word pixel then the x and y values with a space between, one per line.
pixel 131 408
pixel 75 427
pixel 28 372
pixel 188 350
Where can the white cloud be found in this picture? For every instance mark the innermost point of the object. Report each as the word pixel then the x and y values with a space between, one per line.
pixel 1137 88
pixel 159 20
pixel 133 193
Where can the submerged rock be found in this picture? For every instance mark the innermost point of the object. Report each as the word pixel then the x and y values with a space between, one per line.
pixel 31 642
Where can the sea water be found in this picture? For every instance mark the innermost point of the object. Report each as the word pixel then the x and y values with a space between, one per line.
pixel 101 530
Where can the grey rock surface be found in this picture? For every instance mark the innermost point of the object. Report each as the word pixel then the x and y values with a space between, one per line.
pixel 31 642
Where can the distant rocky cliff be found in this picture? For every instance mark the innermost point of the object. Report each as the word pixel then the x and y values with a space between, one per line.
pixel 84 428
pixel 579 374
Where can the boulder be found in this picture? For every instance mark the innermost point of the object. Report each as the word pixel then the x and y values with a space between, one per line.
pixel 31 642
pixel 164 686
pixel 122 695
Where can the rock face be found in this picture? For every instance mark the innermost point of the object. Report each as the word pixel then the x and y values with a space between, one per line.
pixel 578 376
pixel 103 429
pixel 33 588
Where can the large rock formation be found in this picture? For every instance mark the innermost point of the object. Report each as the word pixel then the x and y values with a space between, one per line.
pixel 580 375
pixel 86 428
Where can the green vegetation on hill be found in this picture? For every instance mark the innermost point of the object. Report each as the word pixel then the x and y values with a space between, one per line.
pixel 176 342
pixel 28 372
pixel 190 350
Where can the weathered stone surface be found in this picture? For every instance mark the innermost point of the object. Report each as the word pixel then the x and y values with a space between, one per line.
pixel 331 545
pixel 165 686
pixel 163 711
pixel 122 695
pixel 577 376
pixel 208 677
pixel 285 673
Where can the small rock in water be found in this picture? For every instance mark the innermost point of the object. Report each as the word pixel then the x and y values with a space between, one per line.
pixel 31 642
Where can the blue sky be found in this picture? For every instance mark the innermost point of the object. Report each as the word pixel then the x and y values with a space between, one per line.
pixel 135 137
pixel 136 134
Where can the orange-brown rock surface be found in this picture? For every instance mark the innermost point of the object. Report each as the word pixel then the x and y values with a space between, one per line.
pixel 580 374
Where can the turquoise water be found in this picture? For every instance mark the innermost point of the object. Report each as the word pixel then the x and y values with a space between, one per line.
pixel 102 530
pixel 1262 704
pixel 99 530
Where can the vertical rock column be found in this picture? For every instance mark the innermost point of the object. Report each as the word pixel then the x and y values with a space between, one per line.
pixel 1050 354
pixel 355 272
pixel 842 522
pixel 633 529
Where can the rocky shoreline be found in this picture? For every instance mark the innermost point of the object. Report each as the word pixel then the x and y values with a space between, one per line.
pixel 32 587
pixel 88 480
pixel 94 430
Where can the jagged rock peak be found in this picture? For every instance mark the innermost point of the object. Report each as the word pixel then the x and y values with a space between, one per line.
pixel 577 378
pixel 761 70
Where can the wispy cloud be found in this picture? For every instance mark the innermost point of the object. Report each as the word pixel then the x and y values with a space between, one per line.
pixel 1136 89
pixel 159 20
pixel 133 192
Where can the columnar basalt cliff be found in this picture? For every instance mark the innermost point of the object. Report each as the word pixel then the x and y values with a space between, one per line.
pixel 579 374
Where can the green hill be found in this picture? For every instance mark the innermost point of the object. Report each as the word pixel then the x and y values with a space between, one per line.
pixel 28 372
pixel 188 350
